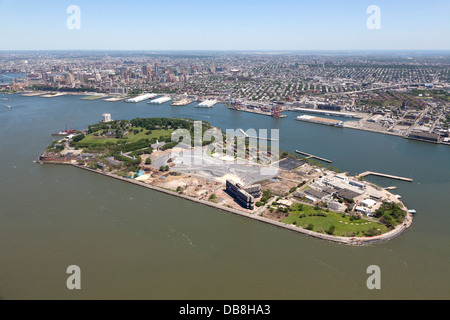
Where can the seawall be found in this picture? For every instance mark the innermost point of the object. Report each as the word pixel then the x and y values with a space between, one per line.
pixel 344 240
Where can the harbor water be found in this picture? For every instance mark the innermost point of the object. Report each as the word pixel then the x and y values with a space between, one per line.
pixel 134 243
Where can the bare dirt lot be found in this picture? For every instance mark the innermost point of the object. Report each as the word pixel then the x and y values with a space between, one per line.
pixel 278 187
pixel 187 184
pixel 288 179
pixel 277 216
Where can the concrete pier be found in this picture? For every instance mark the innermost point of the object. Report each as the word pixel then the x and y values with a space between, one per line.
pixel 313 156
pixel 367 173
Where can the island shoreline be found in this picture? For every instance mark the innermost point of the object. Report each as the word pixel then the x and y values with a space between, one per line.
pixel 355 241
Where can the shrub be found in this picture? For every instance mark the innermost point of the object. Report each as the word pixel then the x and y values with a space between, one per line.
pixel 212 196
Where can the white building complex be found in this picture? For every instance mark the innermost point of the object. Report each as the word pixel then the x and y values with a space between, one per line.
pixel 207 104
pixel 106 117
pixel 160 100
pixel 141 98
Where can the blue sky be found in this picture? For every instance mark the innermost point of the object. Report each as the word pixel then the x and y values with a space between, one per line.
pixel 225 25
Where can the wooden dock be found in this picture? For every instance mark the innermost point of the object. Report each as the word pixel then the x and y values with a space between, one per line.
pixel 368 173
pixel 313 156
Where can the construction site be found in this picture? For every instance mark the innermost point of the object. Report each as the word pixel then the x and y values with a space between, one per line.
pixel 263 186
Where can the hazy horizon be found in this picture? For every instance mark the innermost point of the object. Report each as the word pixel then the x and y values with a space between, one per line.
pixel 200 25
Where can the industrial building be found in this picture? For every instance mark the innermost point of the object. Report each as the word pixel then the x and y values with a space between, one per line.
pixel 118 91
pixel 207 104
pixel 319 120
pixel 347 194
pixel 160 100
pixel 318 194
pixel 425 136
pixel 357 184
pixel 368 203
pixel 241 196
pixel 328 106
pixel 141 98
pixel 254 190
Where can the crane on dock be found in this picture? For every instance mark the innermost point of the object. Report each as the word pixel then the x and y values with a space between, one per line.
pixel 276 111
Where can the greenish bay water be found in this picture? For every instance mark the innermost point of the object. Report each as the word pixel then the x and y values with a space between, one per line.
pixel 134 243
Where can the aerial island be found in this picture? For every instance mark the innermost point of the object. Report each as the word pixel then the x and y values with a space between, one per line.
pixel 302 194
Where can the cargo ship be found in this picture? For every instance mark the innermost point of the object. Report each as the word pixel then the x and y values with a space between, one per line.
pixel 272 110
pixel 327 113
pixel 319 120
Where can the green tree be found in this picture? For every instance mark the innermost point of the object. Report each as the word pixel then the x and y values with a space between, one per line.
pixel 78 138
pixel 331 230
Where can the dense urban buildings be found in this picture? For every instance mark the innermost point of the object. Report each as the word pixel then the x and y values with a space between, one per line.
pixel 399 94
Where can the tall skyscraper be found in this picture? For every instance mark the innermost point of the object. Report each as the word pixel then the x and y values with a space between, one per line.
pixel 147 72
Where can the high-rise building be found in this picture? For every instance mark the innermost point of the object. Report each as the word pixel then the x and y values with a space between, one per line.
pixel 118 91
pixel 147 72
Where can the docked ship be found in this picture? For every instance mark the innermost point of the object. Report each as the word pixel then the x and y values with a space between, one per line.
pixel 64 133
pixel 327 113
pixel 319 120
pixel 57 158
pixel 273 110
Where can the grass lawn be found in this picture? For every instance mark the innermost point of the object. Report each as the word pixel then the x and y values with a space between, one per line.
pixel 342 224
pixel 132 137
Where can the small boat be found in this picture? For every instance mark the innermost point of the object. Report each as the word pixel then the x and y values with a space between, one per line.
pixel 64 132
pixel 61 133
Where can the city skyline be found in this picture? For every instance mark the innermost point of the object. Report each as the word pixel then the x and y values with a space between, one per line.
pixel 211 26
